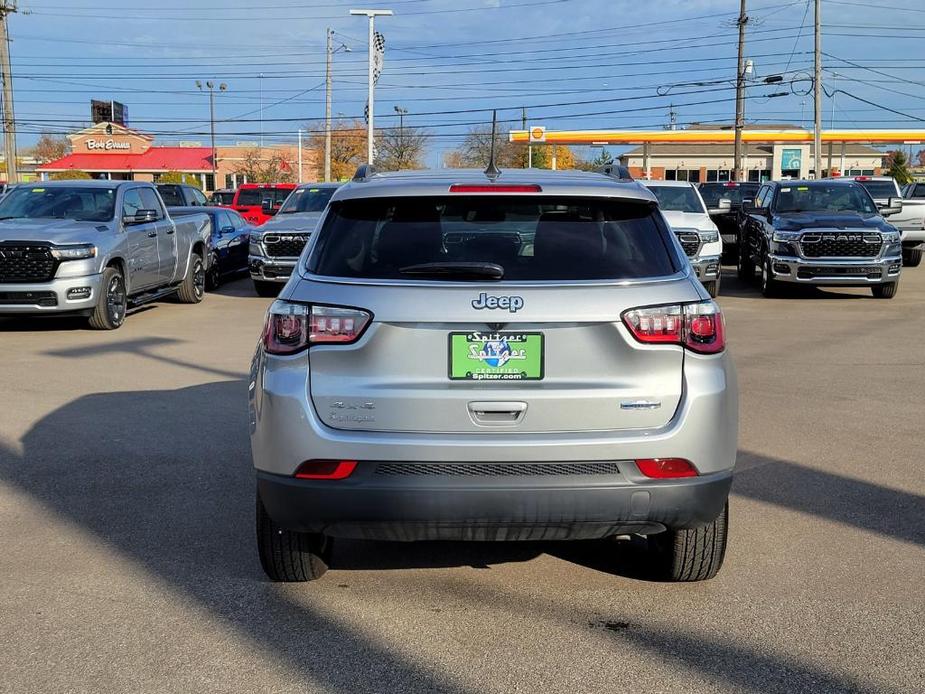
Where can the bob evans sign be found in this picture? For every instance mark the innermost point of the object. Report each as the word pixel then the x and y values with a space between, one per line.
pixel 107 144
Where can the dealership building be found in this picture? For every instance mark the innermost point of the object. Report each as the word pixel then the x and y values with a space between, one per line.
pixel 699 162
pixel 113 151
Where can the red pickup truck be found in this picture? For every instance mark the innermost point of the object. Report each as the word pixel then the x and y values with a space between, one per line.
pixel 258 202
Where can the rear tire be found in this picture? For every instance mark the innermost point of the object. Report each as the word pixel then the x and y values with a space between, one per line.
pixel 213 276
pixel 887 290
pixel 912 257
pixel 112 302
pixel 288 556
pixel 692 554
pixel 268 290
pixel 194 284
pixel 712 287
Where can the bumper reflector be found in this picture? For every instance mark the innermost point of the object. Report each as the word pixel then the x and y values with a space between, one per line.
pixel 666 468
pixel 325 469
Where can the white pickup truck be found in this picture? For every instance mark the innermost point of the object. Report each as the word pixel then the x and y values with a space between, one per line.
pixel 910 221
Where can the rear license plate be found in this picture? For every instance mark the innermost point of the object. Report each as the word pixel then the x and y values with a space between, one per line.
pixel 496 356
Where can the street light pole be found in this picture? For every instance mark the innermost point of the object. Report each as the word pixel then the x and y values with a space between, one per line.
pixel 402 112
pixel 210 86
pixel 261 109
pixel 371 15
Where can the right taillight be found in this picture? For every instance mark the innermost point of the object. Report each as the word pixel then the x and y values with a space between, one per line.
pixel 698 327
pixel 291 328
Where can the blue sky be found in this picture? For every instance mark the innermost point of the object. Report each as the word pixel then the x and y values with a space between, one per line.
pixel 572 63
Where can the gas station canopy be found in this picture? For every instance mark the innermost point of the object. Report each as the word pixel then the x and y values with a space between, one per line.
pixel 539 135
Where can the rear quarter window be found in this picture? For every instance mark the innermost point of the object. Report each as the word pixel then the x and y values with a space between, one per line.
pixel 553 239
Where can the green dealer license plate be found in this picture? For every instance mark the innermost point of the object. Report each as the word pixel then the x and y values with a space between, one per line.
pixel 496 356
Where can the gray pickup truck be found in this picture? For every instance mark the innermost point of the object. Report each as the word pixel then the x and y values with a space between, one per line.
pixel 275 246
pixel 94 248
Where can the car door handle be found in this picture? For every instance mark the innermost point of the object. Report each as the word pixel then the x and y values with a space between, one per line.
pixel 152 234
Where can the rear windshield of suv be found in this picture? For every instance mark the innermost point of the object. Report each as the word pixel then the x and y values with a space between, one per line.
pixel 544 238
pixel 256 196
pixel 712 193
pixel 880 190
pixel 677 198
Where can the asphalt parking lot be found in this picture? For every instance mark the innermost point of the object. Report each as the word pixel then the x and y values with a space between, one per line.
pixel 127 554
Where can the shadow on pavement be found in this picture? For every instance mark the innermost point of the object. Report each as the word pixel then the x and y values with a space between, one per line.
pixel 165 479
pixel 143 347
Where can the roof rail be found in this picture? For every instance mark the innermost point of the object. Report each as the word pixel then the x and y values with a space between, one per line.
pixel 364 172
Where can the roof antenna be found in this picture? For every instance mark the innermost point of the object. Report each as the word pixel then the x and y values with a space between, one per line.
pixel 492 171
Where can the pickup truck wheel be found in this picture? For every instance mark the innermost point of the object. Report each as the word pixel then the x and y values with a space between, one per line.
pixel 290 556
pixel 268 290
pixel 912 257
pixel 194 284
pixel 712 287
pixel 214 275
pixel 112 302
pixel 887 290
pixel 745 268
pixel 690 554
pixel 770 287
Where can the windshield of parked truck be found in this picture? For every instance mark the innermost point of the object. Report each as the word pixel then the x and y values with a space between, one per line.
pixel 81 203
pixel 677 198
pixel 493 238
pixel 824 197
pixel 712 193
pixel 256 196
pixel 307 200
pixel 881 190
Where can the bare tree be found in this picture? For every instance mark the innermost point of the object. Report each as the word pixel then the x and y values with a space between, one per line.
pixel 48 148
pixel 257 168
pixel 401 148
pixel 475 150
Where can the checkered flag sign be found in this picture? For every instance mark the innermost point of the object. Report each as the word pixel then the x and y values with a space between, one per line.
pixel 378 52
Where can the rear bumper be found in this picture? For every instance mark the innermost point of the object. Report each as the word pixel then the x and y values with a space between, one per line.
pixel 50 297
pixel 824 272
pixel 266 269
pixel 372 505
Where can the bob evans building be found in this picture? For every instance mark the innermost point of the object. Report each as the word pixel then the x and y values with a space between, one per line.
pixel 714 162
pixel 113 151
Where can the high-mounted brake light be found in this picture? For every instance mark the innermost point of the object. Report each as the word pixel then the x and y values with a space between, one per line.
pixel 325 469
pixel 862 178
pixel 666 468
pixel 732 184
pixel 491 188
pixel 698 327
pixel 291 328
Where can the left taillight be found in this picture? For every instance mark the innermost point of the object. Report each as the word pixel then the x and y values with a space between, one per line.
pixel 291 328
pixel 698 327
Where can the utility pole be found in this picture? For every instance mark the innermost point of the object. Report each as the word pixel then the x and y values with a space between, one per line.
pixel 740 95
pixel 402 112
pixel 523 120
pixel 300 155
pixel 672 118
pixel 327 107
pixel 261 109
pixel 817 95
pixel 371 15
pixel 328 96
pixel 9 121
pixel 210 86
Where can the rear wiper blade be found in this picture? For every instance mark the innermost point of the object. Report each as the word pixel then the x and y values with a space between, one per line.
pixel 475 271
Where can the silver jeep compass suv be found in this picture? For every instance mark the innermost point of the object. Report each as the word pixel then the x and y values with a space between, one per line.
pixel 517 357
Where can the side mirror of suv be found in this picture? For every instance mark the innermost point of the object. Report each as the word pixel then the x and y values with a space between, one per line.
pixel 140 217
pixel 893 206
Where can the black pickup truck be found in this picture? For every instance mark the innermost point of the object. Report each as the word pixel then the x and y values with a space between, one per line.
pixel 823 233
pixel 724 201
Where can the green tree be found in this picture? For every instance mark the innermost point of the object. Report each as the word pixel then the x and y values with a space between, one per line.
pixel 70 175
pixel 189 179
pixel 898 167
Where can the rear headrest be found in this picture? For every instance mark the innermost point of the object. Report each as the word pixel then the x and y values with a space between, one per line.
pixel 409 243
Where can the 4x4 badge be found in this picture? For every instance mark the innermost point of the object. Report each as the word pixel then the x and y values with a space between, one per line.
pixel 511 303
